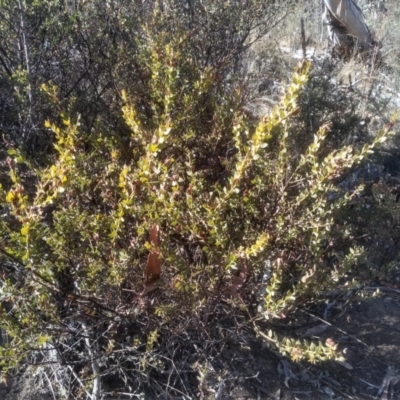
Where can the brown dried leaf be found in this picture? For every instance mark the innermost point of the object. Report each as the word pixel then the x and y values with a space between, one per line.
pixel 153 267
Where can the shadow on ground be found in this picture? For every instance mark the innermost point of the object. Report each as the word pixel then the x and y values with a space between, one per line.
pixel 368 333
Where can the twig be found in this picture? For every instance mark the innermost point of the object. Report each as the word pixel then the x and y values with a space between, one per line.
pixel 176 390
pixel 79 381
pixel 331 385
pixel 59 383
pixel 125 394
pixel 50 386
pixel 95 365
pixel 177 371
pixel 338 329
pixel 336 389
pixel 303 38
pixel 369 384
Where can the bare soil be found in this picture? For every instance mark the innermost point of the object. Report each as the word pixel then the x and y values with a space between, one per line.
pixel 368 333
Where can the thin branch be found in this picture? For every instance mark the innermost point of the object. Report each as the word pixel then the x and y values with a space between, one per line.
pixel 333 326
pixel 79 381
pixel 47 283
pixel 50 386
pixel 95 365
pixel 26 51
pixel 9 73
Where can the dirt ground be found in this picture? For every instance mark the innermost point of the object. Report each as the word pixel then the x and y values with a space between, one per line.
pixel 368 333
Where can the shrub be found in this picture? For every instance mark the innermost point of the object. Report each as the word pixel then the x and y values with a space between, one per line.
pixel 89 50
pixel 139 235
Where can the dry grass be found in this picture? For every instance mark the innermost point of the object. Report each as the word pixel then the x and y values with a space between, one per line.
pixel 373 84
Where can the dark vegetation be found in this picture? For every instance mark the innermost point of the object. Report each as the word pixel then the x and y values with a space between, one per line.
pixel 167 208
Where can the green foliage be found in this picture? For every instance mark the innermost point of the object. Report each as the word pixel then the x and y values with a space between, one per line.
pixel 232 200
pixel 299 350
